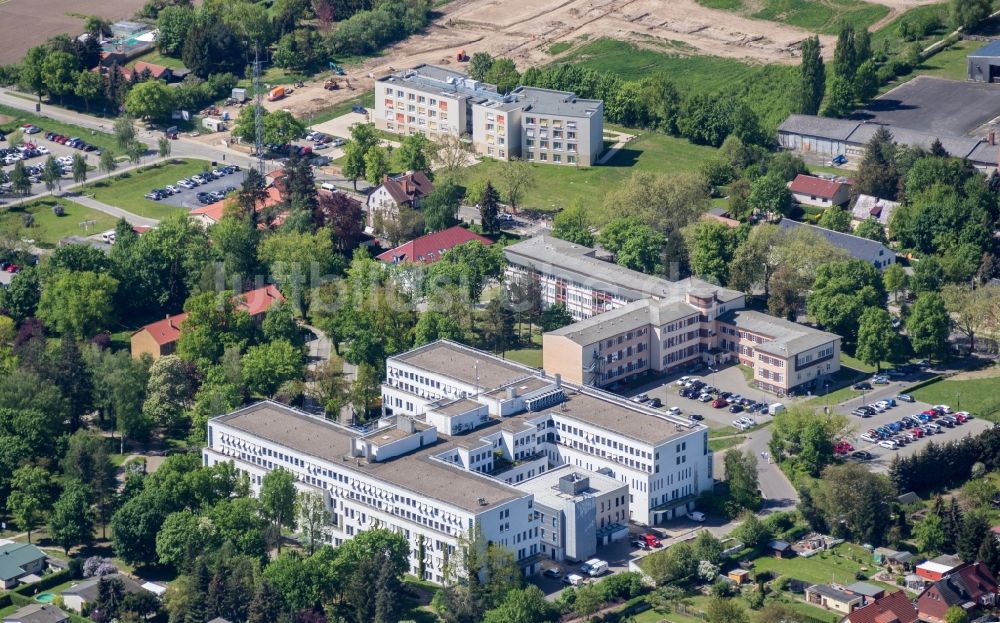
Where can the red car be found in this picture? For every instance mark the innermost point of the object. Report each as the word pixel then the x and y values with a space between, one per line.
pixel 916 430
pixel 13 268
pixel 960 418
pixel 718 403
pixel 931 413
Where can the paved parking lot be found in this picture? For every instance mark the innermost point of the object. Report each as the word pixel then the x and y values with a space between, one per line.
pixel 188 198
pixel 729 379
pixel 883 456
pixel 56 150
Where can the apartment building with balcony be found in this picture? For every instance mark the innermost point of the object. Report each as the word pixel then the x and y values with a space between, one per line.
pixel 540 125
pixel 629 324
pixel 557 127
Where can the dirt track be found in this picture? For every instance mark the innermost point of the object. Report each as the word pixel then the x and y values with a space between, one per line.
pixel 524 30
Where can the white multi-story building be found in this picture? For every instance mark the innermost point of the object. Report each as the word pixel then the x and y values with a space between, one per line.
pixel 540 125
pixel 464 439
pixel 533 422
pixel 388 478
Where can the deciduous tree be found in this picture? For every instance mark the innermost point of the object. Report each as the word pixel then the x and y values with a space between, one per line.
pixel 77 303
pixel 876 337
pixel 30 496
pixel 928 325
pixel 71 522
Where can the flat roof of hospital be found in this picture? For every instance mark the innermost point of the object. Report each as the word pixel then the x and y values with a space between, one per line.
pixel 464 364
pixel 416 471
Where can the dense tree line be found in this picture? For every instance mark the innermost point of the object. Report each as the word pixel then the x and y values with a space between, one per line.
pixel 940 465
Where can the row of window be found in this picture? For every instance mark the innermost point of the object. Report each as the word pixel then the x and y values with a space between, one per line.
pixel 556 145
pixel 556 158
pixel 420 99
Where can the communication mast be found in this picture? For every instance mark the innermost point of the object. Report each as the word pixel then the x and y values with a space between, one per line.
pixel 258 111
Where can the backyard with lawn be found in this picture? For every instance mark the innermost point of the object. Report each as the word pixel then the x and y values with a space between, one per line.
pixel 47 229
pixel 557 187
pixel 126 190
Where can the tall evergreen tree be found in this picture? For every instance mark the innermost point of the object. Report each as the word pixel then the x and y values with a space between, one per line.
pixel 489 207
pixel 813 74
pixel 197 611
pixel 72 376
pixel 265 607
pixel 387 594
pixel 845 55
pixel 975 528
pixel 989 554
pixel 877 175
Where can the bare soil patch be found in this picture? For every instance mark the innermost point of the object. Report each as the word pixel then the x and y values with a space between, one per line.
pixel 26 23
pixel 525 29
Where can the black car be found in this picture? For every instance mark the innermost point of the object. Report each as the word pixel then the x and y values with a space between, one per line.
pixel 861 455
pixel 696 417
pixel 725 395
pixel 866 386
pixel 655 403
pixel 735 408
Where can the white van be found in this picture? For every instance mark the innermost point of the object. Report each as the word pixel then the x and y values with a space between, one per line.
pixel 596 567
pixel 573 580
pixel 776 408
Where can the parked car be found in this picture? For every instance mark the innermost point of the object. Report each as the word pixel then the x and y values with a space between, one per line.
pixel 736 408
pixel 861 455
pixel 880 380
pixel 719 403
pixel 705 398
pixel 887 443
pixel 869 437
pixel 640 398
pixel 674 410
pixel 865 386
pixel 656 403
pixel 552 572
pixel 696 417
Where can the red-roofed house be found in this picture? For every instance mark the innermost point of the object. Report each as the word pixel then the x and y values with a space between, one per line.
pixel 160 338
pixel 157 72
pixel 403 190
pixel 816 191
pixel 429 249
pixel 970 587
pixel 212 213
pixel 893 608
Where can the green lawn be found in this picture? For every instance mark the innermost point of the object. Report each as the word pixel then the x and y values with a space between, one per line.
pixel 822 568
pixel 366 99
pixel 559 47
pixel 821 16
pixel 558 186
pixel 126 191
pixel 156 58
pixel 724 443
pixel 950 63
pixel 530 355
pixel 980 397
pixel 770 90
pixel 102 140
pixel 49 229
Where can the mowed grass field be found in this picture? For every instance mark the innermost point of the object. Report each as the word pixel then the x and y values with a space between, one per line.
pixel 48 229
pixel 820 16
pixel 770 90
pixel 980 397
pixel 126 191
pixel 556 187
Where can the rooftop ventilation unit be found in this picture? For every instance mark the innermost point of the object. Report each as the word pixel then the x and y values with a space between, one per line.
pixel 543 401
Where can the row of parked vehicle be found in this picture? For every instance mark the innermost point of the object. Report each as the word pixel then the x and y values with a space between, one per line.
pixel 914 427
pixel 71 141
pixel 194 181
pixel 25 151
pixel 321 141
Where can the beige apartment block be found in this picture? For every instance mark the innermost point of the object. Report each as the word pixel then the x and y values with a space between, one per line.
pixel 540 125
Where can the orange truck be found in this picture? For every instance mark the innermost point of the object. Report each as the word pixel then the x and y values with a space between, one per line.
pixel 276 94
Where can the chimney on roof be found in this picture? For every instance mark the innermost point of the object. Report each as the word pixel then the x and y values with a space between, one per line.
pixel 385 178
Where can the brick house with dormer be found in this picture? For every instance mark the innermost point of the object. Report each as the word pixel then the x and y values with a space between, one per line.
pixel 969 587
pixel 406 190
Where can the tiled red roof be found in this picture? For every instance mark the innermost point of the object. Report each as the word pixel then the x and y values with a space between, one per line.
pixel 214 211
pixel 155 70
pixel 893 608
pixel 428 249
pixel 260 300
pixel 815 186
pixel 254 302
pixel 165 331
